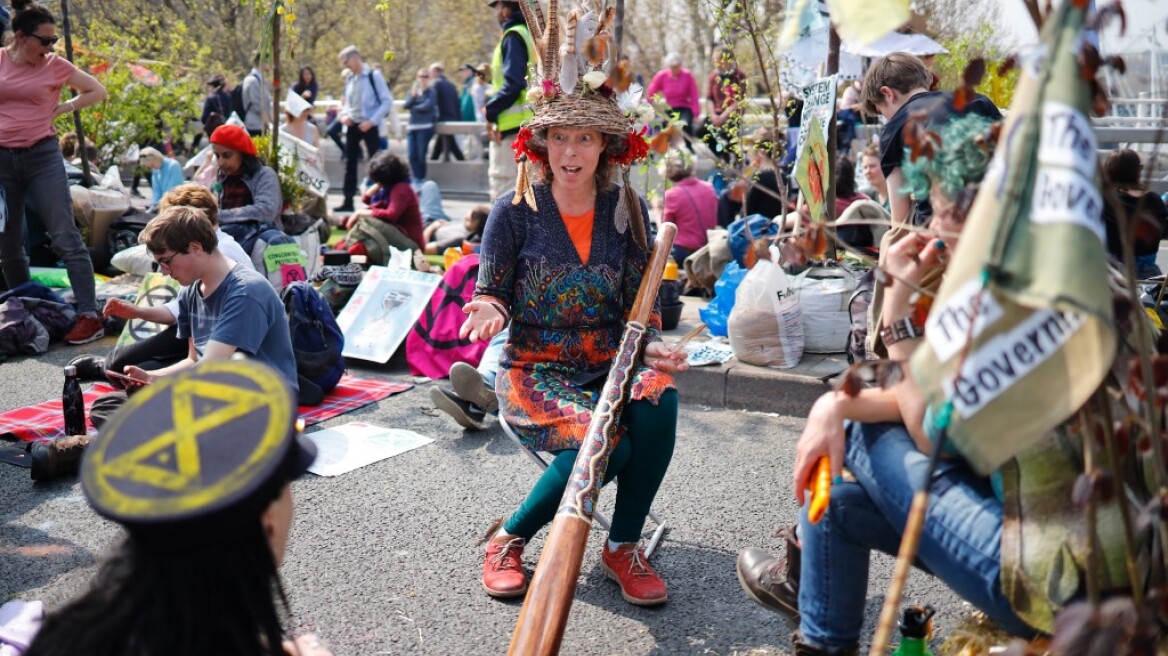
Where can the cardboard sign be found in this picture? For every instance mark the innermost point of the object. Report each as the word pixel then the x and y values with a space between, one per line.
pixel 383 310
pixel 819 103
pixel 351 446
pixel 157 289
pixel 310 171
pixel 813 170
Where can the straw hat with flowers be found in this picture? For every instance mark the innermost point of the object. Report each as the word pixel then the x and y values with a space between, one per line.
pixel 577 84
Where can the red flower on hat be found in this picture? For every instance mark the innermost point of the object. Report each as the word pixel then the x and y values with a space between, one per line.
pixel 638 148
pixel 522 148
pixel 550 89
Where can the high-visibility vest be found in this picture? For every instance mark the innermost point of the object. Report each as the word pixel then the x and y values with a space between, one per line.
pixel 518 113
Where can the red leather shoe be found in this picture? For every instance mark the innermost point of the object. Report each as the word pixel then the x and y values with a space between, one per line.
pixel 639 584
pixel 503 574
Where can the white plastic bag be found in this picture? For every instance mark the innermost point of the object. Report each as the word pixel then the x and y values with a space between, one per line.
pixel 766 326
pixel 823 300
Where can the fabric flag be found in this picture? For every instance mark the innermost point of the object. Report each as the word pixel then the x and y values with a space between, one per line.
pixel 865 21
pixel 1027 287
pixel 799 18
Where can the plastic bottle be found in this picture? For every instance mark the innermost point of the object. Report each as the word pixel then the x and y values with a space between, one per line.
pixel 916 626
pixel 451 255
pixel 73 404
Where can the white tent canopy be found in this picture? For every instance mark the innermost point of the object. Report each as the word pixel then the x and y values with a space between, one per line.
pixel 914 44
pixel 806 55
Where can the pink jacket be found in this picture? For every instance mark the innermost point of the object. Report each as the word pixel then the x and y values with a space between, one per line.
pixel 693 206
pixel 680 91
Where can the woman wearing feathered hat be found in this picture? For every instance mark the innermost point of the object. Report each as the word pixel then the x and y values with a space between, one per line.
pixel 562 259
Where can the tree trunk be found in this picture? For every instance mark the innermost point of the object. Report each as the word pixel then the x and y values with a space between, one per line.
pixel 833 55
pixel 67 28
pixel 276 20
pixel 618 27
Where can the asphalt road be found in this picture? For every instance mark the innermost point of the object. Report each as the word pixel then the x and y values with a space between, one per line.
pixel 383 559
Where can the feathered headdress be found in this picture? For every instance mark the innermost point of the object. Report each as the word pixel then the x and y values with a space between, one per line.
pixel 576 84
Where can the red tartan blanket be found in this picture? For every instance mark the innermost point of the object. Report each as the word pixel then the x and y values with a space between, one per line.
pixel 44 421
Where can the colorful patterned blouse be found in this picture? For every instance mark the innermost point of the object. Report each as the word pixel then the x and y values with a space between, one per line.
pixel 567 317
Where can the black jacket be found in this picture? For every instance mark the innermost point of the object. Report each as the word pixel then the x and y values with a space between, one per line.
pixel 446 94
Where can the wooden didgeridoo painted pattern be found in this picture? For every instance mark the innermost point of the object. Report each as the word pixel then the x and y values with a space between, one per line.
pixel 549 597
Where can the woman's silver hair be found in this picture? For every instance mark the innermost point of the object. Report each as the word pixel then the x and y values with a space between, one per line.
pixel 673 59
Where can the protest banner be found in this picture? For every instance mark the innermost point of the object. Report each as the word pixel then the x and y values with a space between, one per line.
pixel 383 310
pixel 818 103
pixel 1027 290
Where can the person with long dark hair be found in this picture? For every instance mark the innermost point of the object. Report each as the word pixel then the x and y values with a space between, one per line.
pixel 196 573
pixel 306 86
pixel 248 191
pixel 31 78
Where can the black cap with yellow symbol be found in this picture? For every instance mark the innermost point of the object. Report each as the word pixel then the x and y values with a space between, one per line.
pixel 196 446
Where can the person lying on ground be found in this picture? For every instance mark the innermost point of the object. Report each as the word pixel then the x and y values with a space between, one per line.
pixel 466 239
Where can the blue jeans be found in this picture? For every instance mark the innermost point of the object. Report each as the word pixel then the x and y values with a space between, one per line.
pixel 489 364
pixel 416 144
pixel 960 544
pixel 37 174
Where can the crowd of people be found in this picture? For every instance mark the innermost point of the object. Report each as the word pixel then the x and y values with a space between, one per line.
pixel 559 227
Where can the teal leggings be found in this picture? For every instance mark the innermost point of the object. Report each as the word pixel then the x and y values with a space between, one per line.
pixel 639 462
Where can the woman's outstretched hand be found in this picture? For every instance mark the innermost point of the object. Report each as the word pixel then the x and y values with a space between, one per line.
pixel 661 357
pixel 483 321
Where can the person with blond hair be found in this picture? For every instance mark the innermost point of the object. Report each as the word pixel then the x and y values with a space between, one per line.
pixel 165 173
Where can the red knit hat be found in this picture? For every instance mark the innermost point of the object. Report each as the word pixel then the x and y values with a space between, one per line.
pixel 235 138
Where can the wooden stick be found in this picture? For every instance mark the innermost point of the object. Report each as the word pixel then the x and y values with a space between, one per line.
pixel 697 330
pixel 544 615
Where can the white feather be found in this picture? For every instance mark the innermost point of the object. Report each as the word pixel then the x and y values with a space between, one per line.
pixel 629 99
pixel 568 71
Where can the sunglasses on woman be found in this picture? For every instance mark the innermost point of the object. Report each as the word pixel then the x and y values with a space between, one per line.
pixel 46 41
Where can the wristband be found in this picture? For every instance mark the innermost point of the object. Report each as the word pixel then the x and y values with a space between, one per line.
pixel 900 330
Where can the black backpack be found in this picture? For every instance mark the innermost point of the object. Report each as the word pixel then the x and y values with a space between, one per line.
pixel 317 340
pixel 237 105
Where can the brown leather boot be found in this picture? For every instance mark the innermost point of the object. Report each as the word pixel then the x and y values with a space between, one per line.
pixel 801 648
pixel 773 583
pixel 60 457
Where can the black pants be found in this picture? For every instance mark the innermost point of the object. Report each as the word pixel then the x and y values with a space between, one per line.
pixel 448 143
pixel 354 137
pixel 334 132
pixel 154 352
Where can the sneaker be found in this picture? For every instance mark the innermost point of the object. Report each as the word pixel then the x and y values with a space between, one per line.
pixel 503 575
pixel 639 584
pixel 772 583
pixel 464 412
pixel 87 329
pixel 468 384
pixel 89 367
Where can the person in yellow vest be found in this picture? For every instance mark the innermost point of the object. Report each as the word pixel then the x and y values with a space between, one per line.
pixel 507 108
